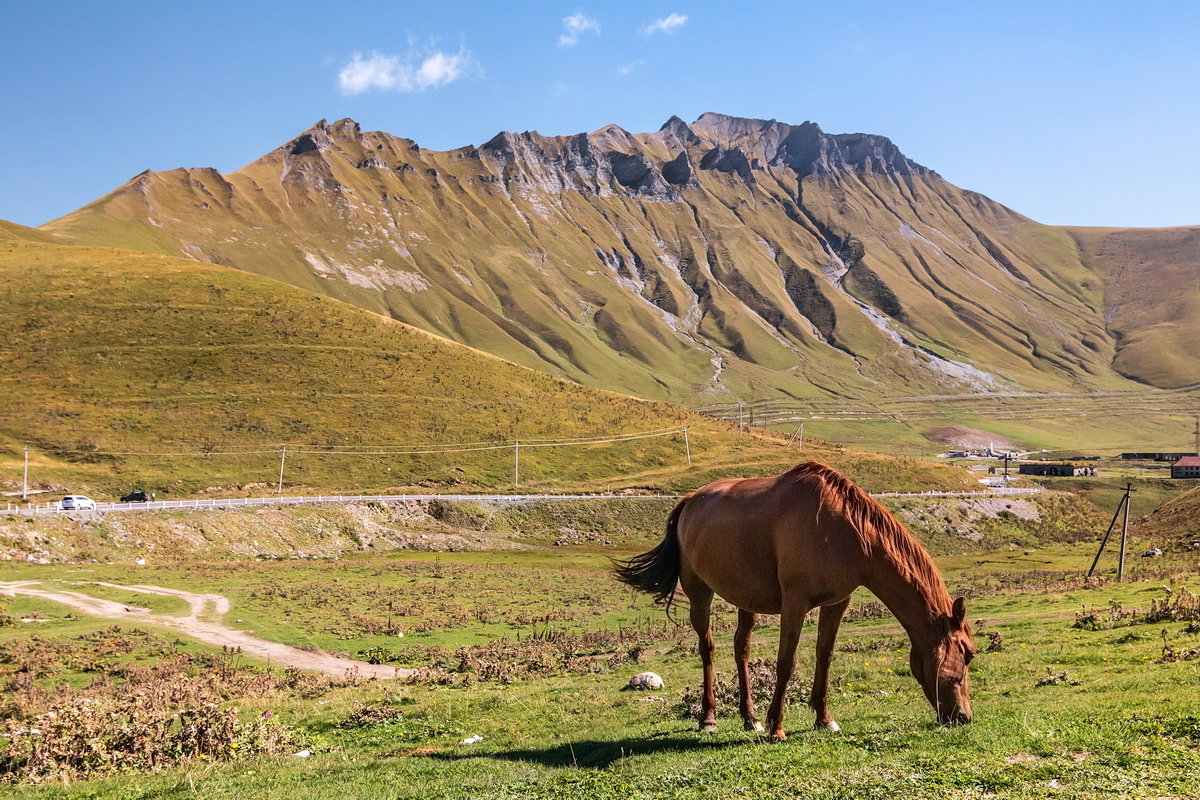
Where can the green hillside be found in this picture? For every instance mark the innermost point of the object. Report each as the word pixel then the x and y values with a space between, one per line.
pixel 110 357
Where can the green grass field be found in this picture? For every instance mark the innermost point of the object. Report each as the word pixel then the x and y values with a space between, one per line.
pixel 530 649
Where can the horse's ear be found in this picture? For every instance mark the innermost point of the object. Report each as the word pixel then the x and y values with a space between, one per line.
pixel 958 613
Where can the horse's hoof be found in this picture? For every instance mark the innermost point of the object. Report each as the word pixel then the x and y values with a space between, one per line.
pixel 827 726
pixel 755 726
pixel 779 736
pixel 708 727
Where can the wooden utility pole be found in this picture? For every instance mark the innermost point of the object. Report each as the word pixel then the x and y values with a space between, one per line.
pixel 25 476
pixel 1124 535
pixel 282 458
pixel 516 464
pixel 687 446
pixel 1121 506
pixel 798 432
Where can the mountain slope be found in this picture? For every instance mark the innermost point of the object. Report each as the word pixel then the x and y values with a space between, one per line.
pixel 726 258
pixel 109 357
pixel 1152 299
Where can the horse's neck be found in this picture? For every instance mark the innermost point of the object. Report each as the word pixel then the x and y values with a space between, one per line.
pixel 915 605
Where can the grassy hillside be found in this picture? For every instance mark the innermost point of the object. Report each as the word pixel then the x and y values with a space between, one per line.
pixel 1175 525
pixel 112 356
pixel 1152 290
pixel 1106 423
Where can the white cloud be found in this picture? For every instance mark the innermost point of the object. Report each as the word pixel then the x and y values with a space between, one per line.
pixel 665 25
pixel 627 69
pixel 575 26
pixel 440 69
pixel 412 72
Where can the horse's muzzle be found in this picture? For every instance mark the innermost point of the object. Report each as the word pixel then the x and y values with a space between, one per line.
pixel 956 717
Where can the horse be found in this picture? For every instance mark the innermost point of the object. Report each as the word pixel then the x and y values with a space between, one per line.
pixel 794 542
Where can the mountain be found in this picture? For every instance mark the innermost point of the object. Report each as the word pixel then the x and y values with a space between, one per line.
pixel 727 258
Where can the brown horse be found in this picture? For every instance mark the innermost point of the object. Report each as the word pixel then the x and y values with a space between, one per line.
pixel 785 545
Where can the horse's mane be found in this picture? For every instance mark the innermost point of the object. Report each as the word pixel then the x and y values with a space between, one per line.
pixel 877 527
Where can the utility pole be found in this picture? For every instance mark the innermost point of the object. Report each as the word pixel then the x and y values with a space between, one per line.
pixel 740 405
pixel 282 458
pixel 687 445
pixel 516 464
pixel 1122 505
pixel 1007 455
pixel 798 432
pixel 1124 535
pixel 25 476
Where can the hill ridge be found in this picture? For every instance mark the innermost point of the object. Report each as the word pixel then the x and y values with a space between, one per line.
pixel 725 258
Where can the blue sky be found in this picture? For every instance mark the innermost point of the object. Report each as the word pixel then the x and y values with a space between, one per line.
pixel 1069 112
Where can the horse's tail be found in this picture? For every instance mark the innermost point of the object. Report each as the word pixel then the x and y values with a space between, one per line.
pixel 656 571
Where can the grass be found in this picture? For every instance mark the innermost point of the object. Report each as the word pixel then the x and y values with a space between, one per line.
pixel 1120 721
pixel 1064 423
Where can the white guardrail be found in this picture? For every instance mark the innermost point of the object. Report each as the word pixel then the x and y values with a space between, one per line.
pixel 240 502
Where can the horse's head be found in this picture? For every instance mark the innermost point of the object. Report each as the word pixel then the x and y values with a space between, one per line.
pixel 940 666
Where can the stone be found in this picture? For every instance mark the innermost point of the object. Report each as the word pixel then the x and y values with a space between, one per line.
pixel 645 681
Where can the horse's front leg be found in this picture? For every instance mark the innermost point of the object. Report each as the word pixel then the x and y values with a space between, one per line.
pixel 700 602
pixel 827 629
pixel 741 652
pixel 790 623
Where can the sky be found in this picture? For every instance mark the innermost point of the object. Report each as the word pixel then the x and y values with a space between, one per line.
pixel 1073 113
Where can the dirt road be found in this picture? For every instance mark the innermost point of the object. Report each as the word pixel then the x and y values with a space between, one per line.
pixel 202 623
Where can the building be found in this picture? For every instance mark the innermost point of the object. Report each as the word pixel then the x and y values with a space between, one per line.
pixel 1052 469
pixel 1186 467
pixel 1155 456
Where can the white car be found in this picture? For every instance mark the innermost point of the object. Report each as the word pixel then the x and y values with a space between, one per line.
pixel 77 502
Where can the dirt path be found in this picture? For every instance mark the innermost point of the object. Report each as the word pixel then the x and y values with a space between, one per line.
pixel 209 631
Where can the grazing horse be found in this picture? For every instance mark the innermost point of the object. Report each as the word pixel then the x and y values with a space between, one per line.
pixel 785 545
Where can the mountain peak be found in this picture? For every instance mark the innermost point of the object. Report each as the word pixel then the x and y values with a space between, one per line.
pixel 805 147
pixel 680 130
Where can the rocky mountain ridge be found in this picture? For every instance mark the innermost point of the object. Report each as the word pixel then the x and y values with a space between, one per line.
pixel 724 258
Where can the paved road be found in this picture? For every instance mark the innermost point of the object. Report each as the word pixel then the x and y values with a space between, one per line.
pixel 52 507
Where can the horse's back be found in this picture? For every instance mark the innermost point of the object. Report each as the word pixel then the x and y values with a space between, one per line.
pixel 753 540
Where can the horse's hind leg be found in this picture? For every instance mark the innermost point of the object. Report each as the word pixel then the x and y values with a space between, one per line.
pixel 827 629
pixel 699 603
pixel 790 624
pixel 741 652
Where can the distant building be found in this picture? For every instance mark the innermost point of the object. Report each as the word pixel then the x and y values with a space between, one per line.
pixel 1186 467
pixel 1156 456
pixel 1051 469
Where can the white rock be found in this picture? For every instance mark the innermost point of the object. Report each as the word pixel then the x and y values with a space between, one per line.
pixel 645 680
pixel 471 740
pixel 141 562
pixel 303 754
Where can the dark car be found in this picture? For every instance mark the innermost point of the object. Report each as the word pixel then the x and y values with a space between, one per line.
pixel 135 497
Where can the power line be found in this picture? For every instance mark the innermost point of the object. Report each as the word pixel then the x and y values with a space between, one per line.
pixel 394 450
